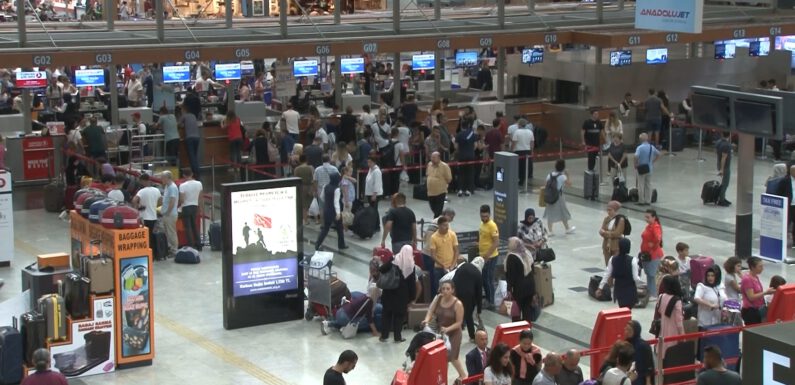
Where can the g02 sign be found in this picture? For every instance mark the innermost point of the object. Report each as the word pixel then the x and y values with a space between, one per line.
pixel 42 60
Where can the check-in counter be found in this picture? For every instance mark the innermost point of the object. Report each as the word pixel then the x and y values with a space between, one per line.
pixel 11 124
pixel 251 111
pixel 125 114
pixel 34 159
pixel 214 143
pixel 356 102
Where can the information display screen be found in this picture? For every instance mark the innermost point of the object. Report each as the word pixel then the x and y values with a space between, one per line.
pixel 725 51
pixel 264 241
pixel 90 78
pixel 354 65
pixel 35 79
pixel 247 68
pixel 176 74
pixel 423 62
pixel 755 117
pixel 620 58
pixel 657 56
pixel 532 55
pixel 759 48
pixel 305 68
pixel 228 71
pixel 711 111
pixel 466 59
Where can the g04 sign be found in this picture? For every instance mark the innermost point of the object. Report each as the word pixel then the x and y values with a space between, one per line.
pixel 192 54
pixel 443 44
pixel 242 53
pixel 323 49
pixel 103 58
pixel 370 47
pixel 42 60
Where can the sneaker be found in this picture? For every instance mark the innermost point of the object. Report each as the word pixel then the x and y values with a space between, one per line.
pixel 468 193
pixel 571 230
pixel 460 193
pixel 324 328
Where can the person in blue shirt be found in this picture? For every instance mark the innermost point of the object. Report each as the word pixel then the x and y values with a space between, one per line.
pixel 465 141
pixel 168 210
pixel 286 144
pixel 645 156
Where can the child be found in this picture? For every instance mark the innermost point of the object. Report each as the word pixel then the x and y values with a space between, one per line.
pixel 683 258
pixel 775 282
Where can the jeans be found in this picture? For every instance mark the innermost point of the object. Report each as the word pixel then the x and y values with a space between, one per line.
pixel 644 188
pixel 172 151
pixel 724 183
pixel 436 276
pixel 342 319
pixel 488 279
pixel 651 268
pixel 192 145
pixel 235 147
pixel 466 181
pixel 592 158
pixel 437 204
pixel 525 166
pixel 192 235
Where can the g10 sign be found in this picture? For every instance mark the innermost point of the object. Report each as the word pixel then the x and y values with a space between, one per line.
pixel 670 15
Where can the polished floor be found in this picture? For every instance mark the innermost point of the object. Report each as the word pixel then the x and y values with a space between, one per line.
pixel 192 345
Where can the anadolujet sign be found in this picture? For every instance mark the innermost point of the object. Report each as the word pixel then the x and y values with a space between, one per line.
pixel 670 15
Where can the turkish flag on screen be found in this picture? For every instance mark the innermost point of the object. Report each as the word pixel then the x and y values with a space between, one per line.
pixel 262 221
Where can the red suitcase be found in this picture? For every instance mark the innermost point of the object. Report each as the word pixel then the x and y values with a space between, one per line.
pixel 382 253
pixel 698 268
pixel 418 259
pixel 401 378
pixel 120 217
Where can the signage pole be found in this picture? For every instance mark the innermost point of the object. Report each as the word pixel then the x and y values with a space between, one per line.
pixel 338 80
pixel 396 17
pixel 110 16
pixel 437 10
pixel 600 11
pixel 114 96
pixel 159 15
pixel 397 83
pixel 501 14
pixel 26 111
pixel 437 74
pixel 6 219
pixel 228 8
pixel 745 196
pixel 501 68
pixel 22 33
pixel 670 140
pixel 337 11
pixel 283 10
pixel 700 145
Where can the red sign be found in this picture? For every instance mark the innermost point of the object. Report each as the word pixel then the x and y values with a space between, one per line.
pixel 36 154
pixel 37 79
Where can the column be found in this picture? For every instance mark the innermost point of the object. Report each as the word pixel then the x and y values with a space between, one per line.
pixel 500 74
pixel 743 234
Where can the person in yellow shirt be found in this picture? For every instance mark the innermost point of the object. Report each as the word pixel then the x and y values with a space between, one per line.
pixel 444 251
pixel 439 178
pixel 488 241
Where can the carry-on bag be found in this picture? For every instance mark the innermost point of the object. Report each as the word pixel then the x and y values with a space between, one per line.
pixel 365 222
pixel 54 196
pixel 420 192
pixel 53 308
pixel 384 254
pixel 593 286
pixel 98 208
pixel 417 312
pixel 76 292
pixel 215 236
pixel 85 208
pixel 710 192
pixel 10 355
pixel 41 281
pixel 339 290
pixel 187 255
pixel 34 334
pixel 99 270
pixel 590 188
pixel 160 246
pixel 698 268
pixel 643 297
pixel 120 217
pixel 542 273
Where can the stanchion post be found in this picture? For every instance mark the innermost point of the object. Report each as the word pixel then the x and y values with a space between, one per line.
pixel 670 140
pixel 763 156
pixel 422 164
pixel 560 148
pixel 700 145
pixel 602 182
pixel 659 364
pixel 526 169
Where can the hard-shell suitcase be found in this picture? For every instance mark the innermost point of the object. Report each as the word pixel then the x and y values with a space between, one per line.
pixel 98 269
pixel 542 273
pixel 593 286
pixel 729 344
pixel 590 189
pixel 420 192
pixel 10 355
pixel 82 195
pixel 187 255
pixel 643 297
pixel 76 295
pixel 85 208
pixel 365 222
pixel 120 217
pixel 42 281
pixel 34 334
pixel 417 312
pixel 54 196
pixel 215 236
pixel 54 310
pixel 98 208
pixel 710 192
pixel 681 354
pixel 677 139
pixel 698 268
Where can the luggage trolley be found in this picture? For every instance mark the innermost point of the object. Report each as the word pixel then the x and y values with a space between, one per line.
pixel 319 278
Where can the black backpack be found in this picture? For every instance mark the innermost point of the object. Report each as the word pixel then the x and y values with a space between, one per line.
pixel 627 225
pixel 388 155
pixel 551 192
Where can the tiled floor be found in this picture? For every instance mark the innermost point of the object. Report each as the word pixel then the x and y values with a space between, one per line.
pixel 193 347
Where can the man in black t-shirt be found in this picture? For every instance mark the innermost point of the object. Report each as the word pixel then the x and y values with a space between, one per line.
pixel 345 364
pixel 591 134
pixel 724 151
pixel 401 224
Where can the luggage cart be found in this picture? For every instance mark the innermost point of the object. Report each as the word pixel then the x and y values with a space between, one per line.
pixel 318 277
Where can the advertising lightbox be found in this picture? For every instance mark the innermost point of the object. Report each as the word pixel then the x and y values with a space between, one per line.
pixel 35 79
pixel 466 59
pixel 176 74
pixel 228 71
pixel 670 15
pixel 423 62
pixel 90 78
pixel 354 65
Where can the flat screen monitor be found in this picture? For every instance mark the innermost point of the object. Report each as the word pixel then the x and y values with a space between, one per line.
pixel 711 111
pixel 246 68
pixel 755 118
pixel 725 51
pixel 353 65
pixel 227 71
pixel 532 55
pixel 90 78
pixel 620 58
pixel 759 48
pixel 304 68
pixel 34 79
pixel 787 43
pixel 657 56
pixel 466 59
pixel 423 62
pixel 176 74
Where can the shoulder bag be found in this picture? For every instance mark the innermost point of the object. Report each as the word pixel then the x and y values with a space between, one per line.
pixel 656 323
pixel 352 328
pixel 644 169
pixel 389 280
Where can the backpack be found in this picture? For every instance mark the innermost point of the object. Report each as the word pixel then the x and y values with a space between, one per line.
pixel 389 280
pixel 388 155
pixel 627 225
pixel 551 191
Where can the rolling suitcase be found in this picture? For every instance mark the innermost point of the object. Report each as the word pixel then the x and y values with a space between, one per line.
pixel 681 354
pixel 677 139
pixel 542 273
pixel 76 294
pixel 42 281
pixel 34 334
pixel 85 208
pixel 10 355
pixel 120 217
pixel 420 192
pixel 215 236
pixel 54 196
pixel 54 310
pixel 98 208
pixel 99 270
pixel 590 189
pixel 710 192
pixel 187 255
pixel 593 286
pixel 160 246
pixel 698 268
pixel 729 344
pixel 417 312
pixel 643 297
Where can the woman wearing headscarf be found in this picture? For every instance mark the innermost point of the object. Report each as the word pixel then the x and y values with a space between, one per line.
pixel 709 298
pixel 332 212
pixel 519 277
pixel 644 360
pixel 625 272
pixel 612 230
pixel 779 172
pixel 670 312
pixel 395 302
pixel 532 231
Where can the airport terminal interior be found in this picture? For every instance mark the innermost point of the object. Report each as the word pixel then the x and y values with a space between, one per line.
pixel 552 64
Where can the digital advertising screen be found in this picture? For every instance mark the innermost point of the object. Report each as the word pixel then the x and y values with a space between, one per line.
pixel 35 79
pixel 725 51
pixel 423 62
pixel 657 56
pixel 176 74
pixel 247 68
pixel 787 43
pixel 90 78
pixel 759 48
pixel 353 65
pixel 305 68
pixel 620 58
pixel 532 55
pixel 264 246
pixel 466 59
pixel 227 71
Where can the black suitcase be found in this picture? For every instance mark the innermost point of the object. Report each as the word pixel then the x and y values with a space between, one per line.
pixel 677 139
pixel 34 334
pixel 76 295
pixel 54 196
pixel 160 248
pixel 365 222
pixel 593 286
pixel 215 236
pixel 620 192
pixel 634 197
pixel 681 354
pixel 710 192
pixel 41 282
pixel 10 355
pixel 421 192
pixel 590 189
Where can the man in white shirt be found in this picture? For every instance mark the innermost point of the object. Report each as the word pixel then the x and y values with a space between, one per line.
pixel 511 129
pixel 291 118
pixel 623 373
pixel 321 133
pixel 381 132
pixel 522 145
pixel 146 200
pixel 367 118
pixel 322 177
pixel 135 91
pixel 116 193
pixel 169 211
pixel 189 192
pixel 373 186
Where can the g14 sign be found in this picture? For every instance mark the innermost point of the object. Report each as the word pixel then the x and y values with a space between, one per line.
pixel 36 79
pixel 670 15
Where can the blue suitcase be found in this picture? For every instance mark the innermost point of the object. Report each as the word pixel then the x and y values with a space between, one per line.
pixel 215 236
pixel 10 355
pixel 729 345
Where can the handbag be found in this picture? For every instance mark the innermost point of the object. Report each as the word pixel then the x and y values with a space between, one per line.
pixel 644 169
pixel 644 257
pixel 352 328
pixel 389 280
pixel 544 255
pixel 656 323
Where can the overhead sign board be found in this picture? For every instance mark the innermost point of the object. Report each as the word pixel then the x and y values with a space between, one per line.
pixel 36 79
pixel 670 15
